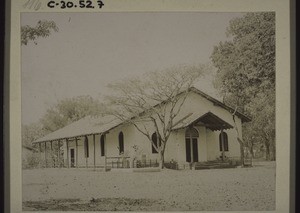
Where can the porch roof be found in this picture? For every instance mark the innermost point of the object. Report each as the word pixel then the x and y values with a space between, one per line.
pixel 209 120
pixel 86 126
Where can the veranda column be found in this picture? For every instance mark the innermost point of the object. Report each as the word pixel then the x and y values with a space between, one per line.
pixel 40 151
pixel 105 152
pixel 45 154
pixel 105 163
pixel 94 140
pixel 222 142
pixel 67 144
pixel 76 143
pixel 58 156
pixel 86 146
pixel 51 155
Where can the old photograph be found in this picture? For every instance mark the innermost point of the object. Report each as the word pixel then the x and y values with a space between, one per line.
pixel 148 111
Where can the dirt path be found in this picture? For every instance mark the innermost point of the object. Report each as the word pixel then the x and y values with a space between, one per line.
pixel 218 189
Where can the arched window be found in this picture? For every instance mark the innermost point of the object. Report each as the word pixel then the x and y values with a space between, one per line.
pixel 191 132
pixel 154 140
pixel 225 141
pixel 121 143
pixel 86 147
pixel 102 145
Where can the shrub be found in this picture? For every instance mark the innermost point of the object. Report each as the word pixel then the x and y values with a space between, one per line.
pixel 171 165
pixel 32 161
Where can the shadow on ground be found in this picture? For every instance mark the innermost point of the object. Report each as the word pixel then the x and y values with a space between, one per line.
pixel 102 204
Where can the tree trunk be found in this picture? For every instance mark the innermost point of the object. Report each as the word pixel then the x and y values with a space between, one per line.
pixel 273 152
pixel 161 160
pixel 267 151
pixel 239 140
pixel 251 151
pixel 242 151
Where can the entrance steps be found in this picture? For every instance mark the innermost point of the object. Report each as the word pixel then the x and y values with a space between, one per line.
pixel 213 165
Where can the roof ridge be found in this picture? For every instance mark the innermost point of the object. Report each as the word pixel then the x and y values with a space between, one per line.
pixel 244 117
pixel 93 125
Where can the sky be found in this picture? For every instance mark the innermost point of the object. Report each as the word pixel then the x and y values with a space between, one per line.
pixel 91 50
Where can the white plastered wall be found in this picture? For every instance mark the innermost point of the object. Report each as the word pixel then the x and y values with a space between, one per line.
pixel 208 141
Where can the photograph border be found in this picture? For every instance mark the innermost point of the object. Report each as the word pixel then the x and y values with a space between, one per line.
pixel 13 181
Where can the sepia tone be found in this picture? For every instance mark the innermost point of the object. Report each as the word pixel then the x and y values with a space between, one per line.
pixel 135 117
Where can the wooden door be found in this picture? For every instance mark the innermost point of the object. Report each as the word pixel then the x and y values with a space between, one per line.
pixel 72 155
pixel 195 150
pixel 188 149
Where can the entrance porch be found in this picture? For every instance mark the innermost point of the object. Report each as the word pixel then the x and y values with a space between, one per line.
pixel 204 141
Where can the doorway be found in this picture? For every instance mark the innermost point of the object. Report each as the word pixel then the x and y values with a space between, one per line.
pixel 72 157
pixel 191 145
pixel 188 149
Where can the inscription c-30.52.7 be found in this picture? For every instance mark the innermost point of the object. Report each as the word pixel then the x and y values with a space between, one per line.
pixel 62 4
pixel 75 4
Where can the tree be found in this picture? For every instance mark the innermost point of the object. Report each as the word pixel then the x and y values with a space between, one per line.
pixel 59 115
pixel 42 29
pixel 154 101
pixel 262 128
pixel 70 110
pixel 31 132
pixel 246 74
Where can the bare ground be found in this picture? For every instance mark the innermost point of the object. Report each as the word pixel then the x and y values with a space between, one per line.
pixel 169 190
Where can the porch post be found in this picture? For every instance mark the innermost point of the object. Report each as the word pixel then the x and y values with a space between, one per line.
pixel 45 155
pixel 105 162
pixel 76 141
pixel 105 151
pixel 51 155
pixel 222 142
pixel 40 151
pixel 86 140
pixel 94 151
pixel 67 143
pixel 191 144
pixel 58 156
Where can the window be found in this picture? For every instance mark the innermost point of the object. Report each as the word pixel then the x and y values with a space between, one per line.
pixel 102 145
pixel 121 143
pixel 86 147
pixel 191 132
pixel 225 141
pixel 154 140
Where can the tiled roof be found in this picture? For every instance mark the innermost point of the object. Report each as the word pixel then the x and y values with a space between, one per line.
pixel 85 126
pixel 101 124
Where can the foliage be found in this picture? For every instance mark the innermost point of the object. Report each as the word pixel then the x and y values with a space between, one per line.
pixel 172 165
pixel 42 29
pixel 63 113
pixel 32 161
pixel 262 128
pixel 70 110
pixel 137 152
pixel 246 73
pixel 153 101
pixel 31 132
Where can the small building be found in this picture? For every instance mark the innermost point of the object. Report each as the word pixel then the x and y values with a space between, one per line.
pixel 204 131
pixel 28 153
